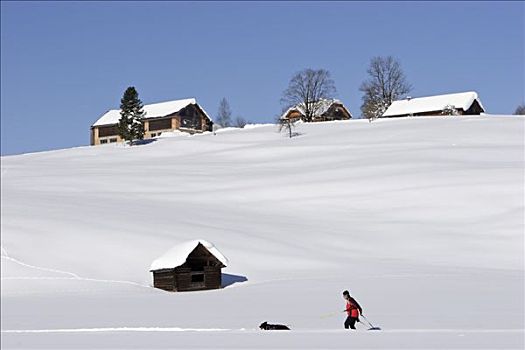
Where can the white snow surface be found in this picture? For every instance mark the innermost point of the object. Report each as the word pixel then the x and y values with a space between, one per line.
pixel 178 254
pixel 422 219
pixel 462 100
pixel 154 110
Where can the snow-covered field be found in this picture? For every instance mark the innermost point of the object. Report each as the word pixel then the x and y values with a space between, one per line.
pixel 422 219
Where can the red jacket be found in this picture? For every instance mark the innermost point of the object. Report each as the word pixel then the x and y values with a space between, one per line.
pixel 353 308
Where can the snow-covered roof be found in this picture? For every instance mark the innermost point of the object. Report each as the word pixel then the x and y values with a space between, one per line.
pixel 154 110
pixel 462 100
pixel 177 255
pixel 322 106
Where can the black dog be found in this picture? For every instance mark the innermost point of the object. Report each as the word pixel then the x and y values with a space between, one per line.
pixel 273 327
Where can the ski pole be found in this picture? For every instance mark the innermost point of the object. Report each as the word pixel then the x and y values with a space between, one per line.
pixel 371 326
pixel 366 320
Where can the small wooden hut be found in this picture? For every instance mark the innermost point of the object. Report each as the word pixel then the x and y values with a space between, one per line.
pixel 194 265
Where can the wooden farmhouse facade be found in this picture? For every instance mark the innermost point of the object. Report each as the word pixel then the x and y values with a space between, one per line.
pixel 324 110
pixel 194 265
pixel 464 103
pixel 184 115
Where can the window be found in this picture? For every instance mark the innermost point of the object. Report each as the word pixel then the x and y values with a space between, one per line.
pixel 112 140
pixel 197 278
pixel 103 141
pixel 107 131
pixel 160 124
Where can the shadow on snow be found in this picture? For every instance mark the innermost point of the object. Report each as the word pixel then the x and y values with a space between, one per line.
pixel 143 142
pixel 228 280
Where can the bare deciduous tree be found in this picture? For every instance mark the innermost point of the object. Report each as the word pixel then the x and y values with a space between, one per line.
pixel 288 126
pixel 224 114
pixel 308 87
pixel 520 110
pixel 386 83
pixel 240 122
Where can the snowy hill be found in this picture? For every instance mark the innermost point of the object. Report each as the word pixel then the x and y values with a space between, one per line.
pixel 420 218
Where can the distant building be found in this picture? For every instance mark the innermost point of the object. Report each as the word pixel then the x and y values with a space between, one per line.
pixel 464 103
pixel 185 115
pixel 325 110
pixel 193 265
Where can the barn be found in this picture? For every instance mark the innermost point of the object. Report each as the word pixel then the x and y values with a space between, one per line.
pixel 190 266
pixel 463 103
pixel 324 110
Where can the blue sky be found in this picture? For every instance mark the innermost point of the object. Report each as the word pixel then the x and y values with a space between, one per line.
pixel 63 64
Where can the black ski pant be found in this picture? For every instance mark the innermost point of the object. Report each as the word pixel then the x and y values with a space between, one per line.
pixel 350 322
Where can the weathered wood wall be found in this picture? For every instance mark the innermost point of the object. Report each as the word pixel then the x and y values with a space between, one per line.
pixel 180 279
pixel 474 109
pixel 212 277
pixel 164 280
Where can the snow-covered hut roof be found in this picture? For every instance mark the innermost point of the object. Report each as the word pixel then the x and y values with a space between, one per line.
pixel 322 106
pixel 407 106
pixel 154 110
pixel 178 254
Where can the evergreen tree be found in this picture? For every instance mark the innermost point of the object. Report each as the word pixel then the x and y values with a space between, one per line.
pixel 131 125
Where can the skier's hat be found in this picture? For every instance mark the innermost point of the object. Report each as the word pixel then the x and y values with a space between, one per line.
pixel 346 292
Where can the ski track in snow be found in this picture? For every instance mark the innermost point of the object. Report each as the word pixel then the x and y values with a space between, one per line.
pixel 117 329
pixel 4 251
pixel 180 329
pixel 73 276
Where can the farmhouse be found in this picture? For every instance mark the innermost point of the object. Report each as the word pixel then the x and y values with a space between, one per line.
pixel 193 265
pixel 464 103
pixel 185 115
pixel 324 110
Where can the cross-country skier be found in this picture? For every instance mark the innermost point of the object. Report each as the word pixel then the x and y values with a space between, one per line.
pixel 353 309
